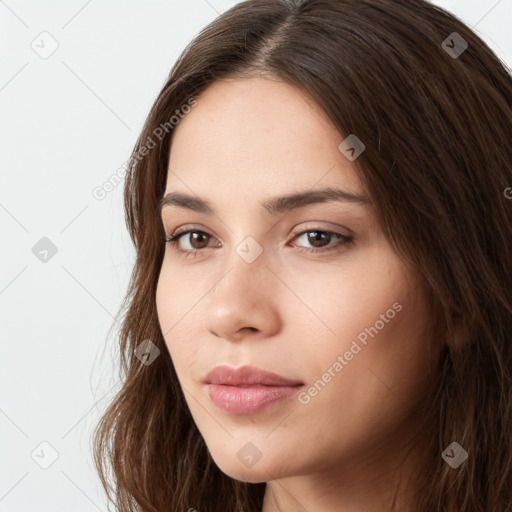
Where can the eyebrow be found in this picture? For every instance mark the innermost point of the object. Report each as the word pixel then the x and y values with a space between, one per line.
pixel 273 206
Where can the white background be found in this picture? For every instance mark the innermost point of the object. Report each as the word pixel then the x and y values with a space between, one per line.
pixel 68 123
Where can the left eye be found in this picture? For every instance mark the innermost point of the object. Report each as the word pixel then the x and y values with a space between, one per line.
pixel 319 236
pixel 174 239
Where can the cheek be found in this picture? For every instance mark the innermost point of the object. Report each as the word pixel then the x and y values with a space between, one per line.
pixel 391 374
pixel 374 387
pixel 373 314
pixel 337 302
pixel 175 301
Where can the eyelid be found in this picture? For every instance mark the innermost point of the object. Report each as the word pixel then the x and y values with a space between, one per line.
pixel 188 228
pixel 315 226
pixel 310 226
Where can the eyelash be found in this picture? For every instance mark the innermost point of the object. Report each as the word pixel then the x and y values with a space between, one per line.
pixel 173 241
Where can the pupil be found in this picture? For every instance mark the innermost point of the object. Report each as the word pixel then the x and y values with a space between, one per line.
pixel 195 236
pixel 314 239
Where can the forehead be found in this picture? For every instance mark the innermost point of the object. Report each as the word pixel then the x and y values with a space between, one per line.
pixel 257 135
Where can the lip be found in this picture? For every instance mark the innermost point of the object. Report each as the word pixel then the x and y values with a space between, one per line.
pixel 247 375
pixel 247 390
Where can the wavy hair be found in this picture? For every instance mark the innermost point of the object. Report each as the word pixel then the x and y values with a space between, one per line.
pixel 436 124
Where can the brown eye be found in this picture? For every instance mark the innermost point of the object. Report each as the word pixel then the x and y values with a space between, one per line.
pixel 198 241
pixel 320 238
pixel 199 238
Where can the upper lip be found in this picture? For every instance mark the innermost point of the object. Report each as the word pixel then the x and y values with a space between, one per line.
pixel 247 375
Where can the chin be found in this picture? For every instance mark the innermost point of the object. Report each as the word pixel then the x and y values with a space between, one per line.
pixel 249 476
pixel 261 471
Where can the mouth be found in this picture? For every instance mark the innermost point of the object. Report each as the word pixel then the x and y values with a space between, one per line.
pixel 247 390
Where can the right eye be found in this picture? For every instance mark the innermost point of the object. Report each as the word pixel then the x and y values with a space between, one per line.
pixel 199 238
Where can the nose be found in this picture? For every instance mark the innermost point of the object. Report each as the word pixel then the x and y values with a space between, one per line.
pixel 244 302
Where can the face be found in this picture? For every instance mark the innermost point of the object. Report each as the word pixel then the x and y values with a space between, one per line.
pixel 310 291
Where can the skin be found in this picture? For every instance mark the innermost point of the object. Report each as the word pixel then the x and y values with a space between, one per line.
pixel 291 312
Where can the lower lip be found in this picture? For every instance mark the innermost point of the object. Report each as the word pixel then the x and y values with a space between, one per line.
pixel 248 400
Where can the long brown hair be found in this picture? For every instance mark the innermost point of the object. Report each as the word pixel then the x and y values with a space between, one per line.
pixel 435 116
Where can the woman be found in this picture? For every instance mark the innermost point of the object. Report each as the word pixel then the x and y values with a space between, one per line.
pixel 319 316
